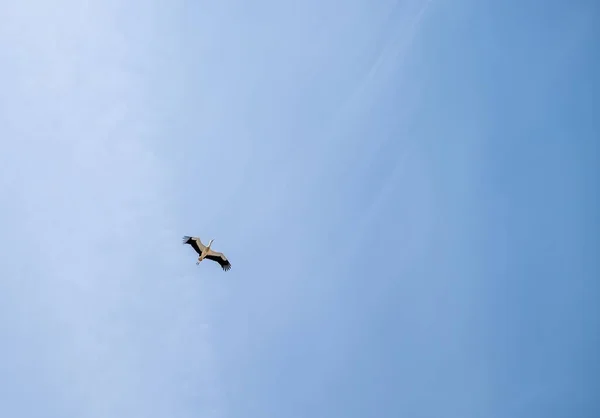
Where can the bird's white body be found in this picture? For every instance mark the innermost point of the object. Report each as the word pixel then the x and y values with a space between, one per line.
pixel 205 252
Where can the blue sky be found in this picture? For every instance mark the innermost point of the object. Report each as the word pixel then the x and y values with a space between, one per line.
pixel 407 192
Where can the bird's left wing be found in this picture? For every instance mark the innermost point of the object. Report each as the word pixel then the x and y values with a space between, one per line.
pixel 219 258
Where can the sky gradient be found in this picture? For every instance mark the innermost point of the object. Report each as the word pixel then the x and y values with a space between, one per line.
pixel 407 192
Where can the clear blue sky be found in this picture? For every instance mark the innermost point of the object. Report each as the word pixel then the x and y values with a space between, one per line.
pixel 407 191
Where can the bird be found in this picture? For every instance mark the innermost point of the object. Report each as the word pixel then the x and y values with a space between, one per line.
pixel 206 252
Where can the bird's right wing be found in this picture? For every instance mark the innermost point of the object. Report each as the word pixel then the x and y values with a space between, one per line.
pixel 195 243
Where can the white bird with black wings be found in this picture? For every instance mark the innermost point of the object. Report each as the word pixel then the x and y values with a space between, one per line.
pixel 206 252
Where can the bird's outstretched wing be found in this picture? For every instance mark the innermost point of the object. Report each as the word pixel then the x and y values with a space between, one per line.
pixel 219 258
pixel 195 243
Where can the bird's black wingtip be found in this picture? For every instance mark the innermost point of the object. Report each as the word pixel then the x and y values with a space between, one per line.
pixel 186 239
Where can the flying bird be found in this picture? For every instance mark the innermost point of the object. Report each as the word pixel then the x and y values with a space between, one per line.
pixel 206 252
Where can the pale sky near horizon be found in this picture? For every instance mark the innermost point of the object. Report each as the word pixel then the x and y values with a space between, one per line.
pixel 407 192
